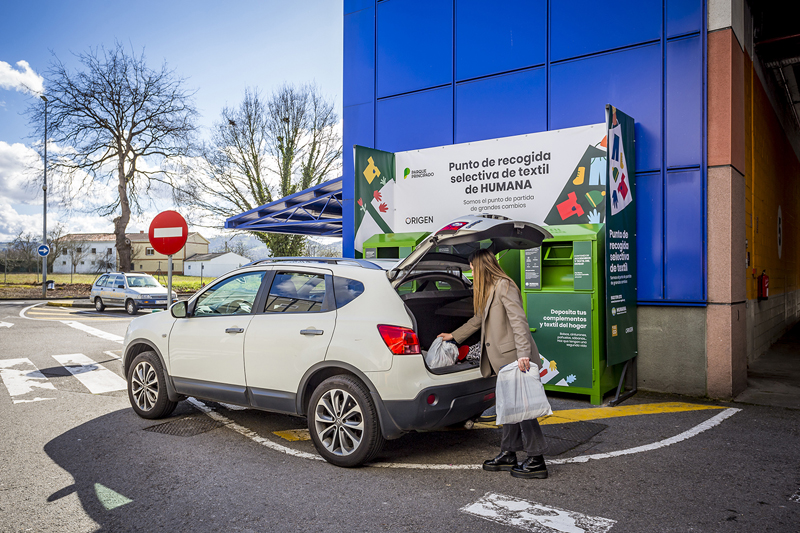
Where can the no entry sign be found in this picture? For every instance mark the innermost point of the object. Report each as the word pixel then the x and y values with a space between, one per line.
pixel 168 232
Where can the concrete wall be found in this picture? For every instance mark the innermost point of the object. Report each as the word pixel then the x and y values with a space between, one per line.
pixel 672 349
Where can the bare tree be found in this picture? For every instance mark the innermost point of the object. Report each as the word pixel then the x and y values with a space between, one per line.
pixel 315 249
pixel 116 122
pixel 24 248
pixel 262 151
pixel 55 242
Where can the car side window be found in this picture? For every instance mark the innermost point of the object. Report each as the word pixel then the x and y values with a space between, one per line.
pixel 296 292
pixel 233 296
pixel 118 282
pixel 345 290
pixel 102 281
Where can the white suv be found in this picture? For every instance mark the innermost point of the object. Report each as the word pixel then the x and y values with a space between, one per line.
pixel 336 340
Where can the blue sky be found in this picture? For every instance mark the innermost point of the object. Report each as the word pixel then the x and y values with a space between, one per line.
pixel 220 47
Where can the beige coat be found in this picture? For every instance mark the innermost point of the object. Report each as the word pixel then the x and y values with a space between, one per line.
pixel 505 334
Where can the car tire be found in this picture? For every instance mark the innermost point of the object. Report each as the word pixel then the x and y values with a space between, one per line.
pixel 131 308
pixel 99 305
pixel 343 422
pixel 147 387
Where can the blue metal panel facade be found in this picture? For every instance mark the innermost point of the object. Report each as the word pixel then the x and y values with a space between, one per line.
pixel 501 106
pixel 509 36
pixel 461 70
pixel 415 45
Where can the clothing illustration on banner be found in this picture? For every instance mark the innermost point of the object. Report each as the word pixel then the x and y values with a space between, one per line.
pixel 618 185
pixel 582 200
pixel 374 193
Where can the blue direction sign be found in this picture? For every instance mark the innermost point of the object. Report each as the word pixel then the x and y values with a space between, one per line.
pixel 43 250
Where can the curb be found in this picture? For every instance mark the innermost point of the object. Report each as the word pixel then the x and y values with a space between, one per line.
pixel 71 303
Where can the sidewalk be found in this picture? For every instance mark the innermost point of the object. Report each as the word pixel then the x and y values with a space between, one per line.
pixel 774 378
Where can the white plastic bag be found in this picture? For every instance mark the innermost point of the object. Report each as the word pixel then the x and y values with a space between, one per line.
pixel 520 395
pixel 441 354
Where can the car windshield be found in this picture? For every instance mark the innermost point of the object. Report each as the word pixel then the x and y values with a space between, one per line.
pixel 143 281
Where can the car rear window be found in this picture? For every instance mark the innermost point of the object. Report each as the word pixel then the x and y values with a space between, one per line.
pixel 346 290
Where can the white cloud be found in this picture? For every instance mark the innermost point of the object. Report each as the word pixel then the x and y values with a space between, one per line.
pixel 24 80
pixel 18 164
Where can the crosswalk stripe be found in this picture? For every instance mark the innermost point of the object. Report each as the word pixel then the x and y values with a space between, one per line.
pixel 21 378
pixel 94 376
pixel 532 516
pixel 93 331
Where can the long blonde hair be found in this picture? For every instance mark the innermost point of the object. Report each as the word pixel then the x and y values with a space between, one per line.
pixel 486 272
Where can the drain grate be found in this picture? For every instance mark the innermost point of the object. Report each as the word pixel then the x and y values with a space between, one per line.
pixel 185 427
pixel 563 437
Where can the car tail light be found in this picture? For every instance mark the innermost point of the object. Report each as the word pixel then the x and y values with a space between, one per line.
pixel 432 399
pixel 488 397
pixel 401 341
pixel 455 226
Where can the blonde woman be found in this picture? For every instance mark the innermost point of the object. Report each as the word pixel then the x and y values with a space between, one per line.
pixel 505 338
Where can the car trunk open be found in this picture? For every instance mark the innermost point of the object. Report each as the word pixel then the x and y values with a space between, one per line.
pixel 447 251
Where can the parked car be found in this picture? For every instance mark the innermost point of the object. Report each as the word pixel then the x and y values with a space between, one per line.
pixel 339 341
pixel 131 291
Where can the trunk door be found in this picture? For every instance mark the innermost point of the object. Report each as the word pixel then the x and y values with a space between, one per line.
pixel 451 246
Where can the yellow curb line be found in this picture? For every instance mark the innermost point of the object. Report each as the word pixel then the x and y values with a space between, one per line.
pixel 562 417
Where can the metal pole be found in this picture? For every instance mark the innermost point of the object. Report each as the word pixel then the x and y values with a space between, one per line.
pixel 44 205
pixel 169 281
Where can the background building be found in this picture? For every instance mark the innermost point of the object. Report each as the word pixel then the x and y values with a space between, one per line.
pixel 712 88
pixel 145 259
pixel 213 265
pixel 90 253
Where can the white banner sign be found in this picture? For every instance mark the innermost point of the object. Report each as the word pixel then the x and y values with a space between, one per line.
pixel 548 178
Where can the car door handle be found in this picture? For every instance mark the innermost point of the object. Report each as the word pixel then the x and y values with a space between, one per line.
pixel 311 332
pixel 234 330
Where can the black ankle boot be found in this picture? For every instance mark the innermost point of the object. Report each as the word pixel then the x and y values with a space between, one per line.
pixel 532 467
pixel 504 461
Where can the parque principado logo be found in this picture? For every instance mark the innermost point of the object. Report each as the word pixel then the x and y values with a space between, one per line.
pixel 372 171
pixel 417 173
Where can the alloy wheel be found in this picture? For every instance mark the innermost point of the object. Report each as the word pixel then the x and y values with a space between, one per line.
pixel 339 422
pixel 144 386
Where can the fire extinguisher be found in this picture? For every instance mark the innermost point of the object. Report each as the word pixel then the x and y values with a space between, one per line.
pixel 763 286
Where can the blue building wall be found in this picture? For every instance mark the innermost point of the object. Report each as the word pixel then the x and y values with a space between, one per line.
pixel 422 73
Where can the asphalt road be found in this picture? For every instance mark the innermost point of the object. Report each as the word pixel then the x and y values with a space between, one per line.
pixel 74 460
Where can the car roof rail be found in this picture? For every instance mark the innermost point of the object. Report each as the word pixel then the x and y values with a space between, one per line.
pixel 363 263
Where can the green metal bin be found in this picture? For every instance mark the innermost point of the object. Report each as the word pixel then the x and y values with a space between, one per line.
pixel 564 298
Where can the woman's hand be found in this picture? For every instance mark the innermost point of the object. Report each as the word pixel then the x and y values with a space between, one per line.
pixel 445 336
pixel 524 363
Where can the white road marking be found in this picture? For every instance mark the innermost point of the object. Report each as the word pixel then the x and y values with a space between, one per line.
pixel 21 377
pixel 233 407
pixel 160 233
pixel 93 331
pixel 252 435
pixel 696 430
pixel 112 354
pixel 5 324
pixel 25 310
pixel 699 428
pixel 94 376
pixel 109 498
pixel 532 516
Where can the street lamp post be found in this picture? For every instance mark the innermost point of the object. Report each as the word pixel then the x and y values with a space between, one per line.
pixel 44 204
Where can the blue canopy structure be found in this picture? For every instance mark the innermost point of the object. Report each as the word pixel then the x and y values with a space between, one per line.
pixel 314 211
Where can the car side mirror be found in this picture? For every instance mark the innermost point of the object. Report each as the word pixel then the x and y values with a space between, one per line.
pixel 178 310
pixel 120 286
